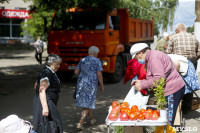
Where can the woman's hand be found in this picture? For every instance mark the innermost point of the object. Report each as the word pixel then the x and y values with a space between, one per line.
pixel 43 98
pixel 102 89
pixel 45 111
pixel 137 85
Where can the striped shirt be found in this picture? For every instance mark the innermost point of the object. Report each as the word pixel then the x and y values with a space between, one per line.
pixel 184 44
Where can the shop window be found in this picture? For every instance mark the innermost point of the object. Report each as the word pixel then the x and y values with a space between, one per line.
pixel 17 21
pixel 10 27
pixel 16 31
pixel 4 30
pixel 4 21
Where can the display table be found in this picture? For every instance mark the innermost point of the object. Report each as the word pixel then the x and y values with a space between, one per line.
pixel 162 121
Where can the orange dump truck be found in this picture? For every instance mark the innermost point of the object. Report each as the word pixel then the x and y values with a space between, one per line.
pixel 75 30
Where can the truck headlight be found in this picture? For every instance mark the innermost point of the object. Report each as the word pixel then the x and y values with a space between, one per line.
pixel 104 62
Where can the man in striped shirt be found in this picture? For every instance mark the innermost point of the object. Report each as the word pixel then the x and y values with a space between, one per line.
pixel 185 44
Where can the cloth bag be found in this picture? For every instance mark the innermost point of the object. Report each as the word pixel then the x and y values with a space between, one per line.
pixel 47 126
pixel 136 98
pixel 13 124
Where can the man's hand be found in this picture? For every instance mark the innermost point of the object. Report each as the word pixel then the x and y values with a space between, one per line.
pixel 137 85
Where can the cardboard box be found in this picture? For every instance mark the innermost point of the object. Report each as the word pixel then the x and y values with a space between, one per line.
pixel 195 103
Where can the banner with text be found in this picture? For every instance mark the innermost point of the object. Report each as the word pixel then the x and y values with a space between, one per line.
pixel 11 13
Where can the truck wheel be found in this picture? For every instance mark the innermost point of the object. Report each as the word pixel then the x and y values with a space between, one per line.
pixel 119 70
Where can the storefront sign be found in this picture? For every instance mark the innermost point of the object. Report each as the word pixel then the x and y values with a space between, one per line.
pixel 9 13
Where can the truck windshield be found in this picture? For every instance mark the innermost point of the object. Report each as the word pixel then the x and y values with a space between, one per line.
pixel 84 20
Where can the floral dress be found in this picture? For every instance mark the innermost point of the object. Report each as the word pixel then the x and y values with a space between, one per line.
pixel 87 82
pixel 191 78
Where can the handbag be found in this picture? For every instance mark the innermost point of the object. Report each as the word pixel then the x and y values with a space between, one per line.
pixel 47 126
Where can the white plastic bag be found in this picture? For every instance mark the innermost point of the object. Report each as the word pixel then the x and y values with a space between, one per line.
pixel 13 124
pixel 136 98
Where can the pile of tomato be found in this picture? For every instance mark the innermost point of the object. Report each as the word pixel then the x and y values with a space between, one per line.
pixel 125 113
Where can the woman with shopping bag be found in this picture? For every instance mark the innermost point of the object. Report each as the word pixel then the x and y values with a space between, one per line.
pixel 45 113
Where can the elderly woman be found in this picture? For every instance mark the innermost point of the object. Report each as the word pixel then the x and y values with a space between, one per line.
pixel 89 73
pixel 46 96
pixel 159 65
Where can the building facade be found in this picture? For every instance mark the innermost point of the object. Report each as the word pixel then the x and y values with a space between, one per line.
pixel 12 14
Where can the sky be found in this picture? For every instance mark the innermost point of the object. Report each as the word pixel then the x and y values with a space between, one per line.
pixel 185 13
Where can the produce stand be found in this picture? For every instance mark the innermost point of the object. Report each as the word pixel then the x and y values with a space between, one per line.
pixel 162 121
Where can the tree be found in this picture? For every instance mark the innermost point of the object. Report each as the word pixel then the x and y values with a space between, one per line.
pixel 190 29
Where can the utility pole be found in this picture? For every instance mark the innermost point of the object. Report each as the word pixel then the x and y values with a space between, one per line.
pixel 197 20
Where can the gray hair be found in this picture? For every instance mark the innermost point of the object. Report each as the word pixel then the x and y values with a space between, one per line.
pixel 92 50
pixel 51 58
pixel 180 26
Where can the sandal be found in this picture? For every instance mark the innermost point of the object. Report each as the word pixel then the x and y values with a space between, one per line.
pixel 80 126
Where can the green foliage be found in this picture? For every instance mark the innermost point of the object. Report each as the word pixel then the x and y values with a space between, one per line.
pixel 107 5
pixel 158 88
pixel 190 29
pixel 118 129
pixel 35 26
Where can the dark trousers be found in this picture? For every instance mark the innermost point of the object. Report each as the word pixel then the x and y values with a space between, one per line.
pixel 177 96
pixel 38 57
pixel 53 111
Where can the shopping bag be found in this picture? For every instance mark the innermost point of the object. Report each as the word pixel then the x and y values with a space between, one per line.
pixel 14 124
pixel 136 98
pixel 47 126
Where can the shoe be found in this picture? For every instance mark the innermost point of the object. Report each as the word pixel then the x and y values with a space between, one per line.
pixel 92 122
pixel 80 126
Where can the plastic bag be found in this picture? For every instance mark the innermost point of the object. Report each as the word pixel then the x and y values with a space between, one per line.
pixel 136 98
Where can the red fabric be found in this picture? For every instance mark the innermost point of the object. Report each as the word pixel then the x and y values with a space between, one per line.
pixel 132 70
pixel 135 68
pixel 142 72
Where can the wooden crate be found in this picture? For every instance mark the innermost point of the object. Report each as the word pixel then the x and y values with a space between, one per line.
pixel 195 103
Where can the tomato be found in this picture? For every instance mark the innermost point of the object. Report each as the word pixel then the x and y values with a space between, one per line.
pixel 137 112
pixel 154 116
pixel 133 116
pixel 134 108
pixel 127 110
pixel 124 117
pixel 150 111
pixel 142 111
pixel 140 116
pixel 156 111
pixel 147 116
pixel 124 105
pixel 115 104
pixel 117 108
pixel 113 116
pixel 122 110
